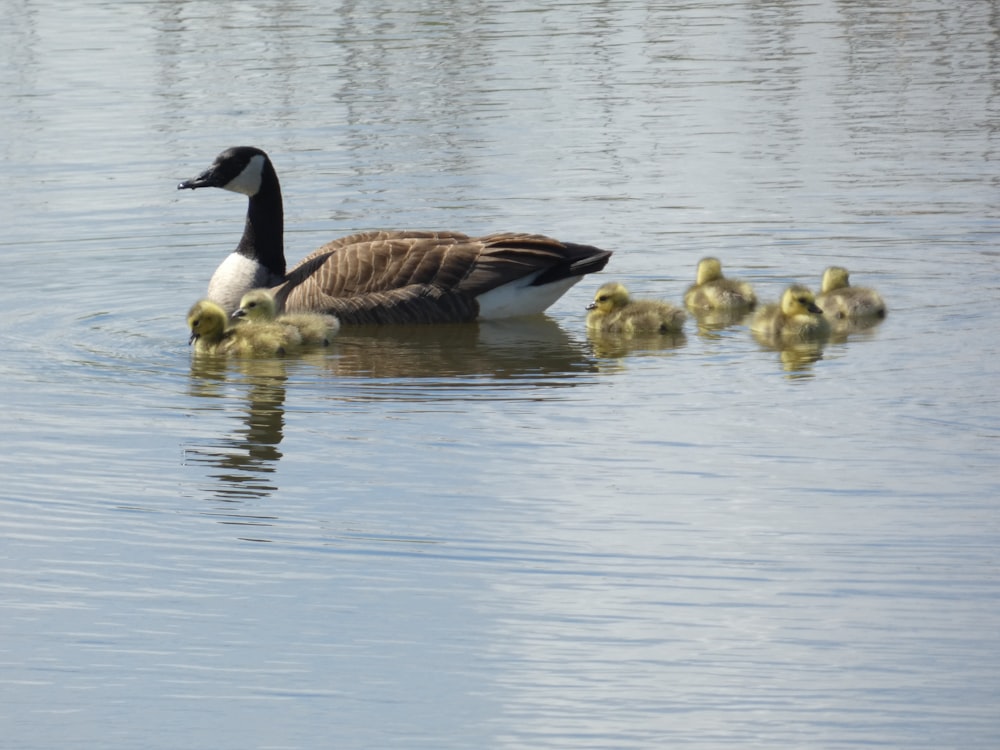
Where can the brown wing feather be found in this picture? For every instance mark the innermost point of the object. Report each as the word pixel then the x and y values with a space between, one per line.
pixel 417 303
pixel 506 257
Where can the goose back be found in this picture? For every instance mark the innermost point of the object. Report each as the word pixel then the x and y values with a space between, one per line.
pixel 430 277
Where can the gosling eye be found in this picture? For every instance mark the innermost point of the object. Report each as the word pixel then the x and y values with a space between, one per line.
pixel 803 300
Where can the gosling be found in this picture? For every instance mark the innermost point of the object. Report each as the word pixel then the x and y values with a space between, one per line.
pixel 796 317
pixel 613 311
pixel 843 302
pixel 314 329
pixel 712 291
pixel 209 334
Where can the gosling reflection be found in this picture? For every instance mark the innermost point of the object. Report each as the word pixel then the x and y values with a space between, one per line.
pixel 617 346
pixel 711 323
pixel 796 357
pixel 846 329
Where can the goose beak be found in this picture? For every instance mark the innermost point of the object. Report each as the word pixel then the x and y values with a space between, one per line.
pixel 205 179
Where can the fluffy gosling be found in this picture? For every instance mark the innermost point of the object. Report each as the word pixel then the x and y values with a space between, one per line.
pixel 796 317
pixel 209 334
pixel 314 329
pixel 613 311
pixel 713 291
pixel 841 301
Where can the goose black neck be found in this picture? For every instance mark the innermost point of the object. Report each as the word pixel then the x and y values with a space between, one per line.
pixel 263 233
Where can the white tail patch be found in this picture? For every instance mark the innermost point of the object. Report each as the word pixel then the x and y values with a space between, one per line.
pixel 518 298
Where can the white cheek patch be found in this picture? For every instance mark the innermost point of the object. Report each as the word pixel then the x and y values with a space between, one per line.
pixel 248 181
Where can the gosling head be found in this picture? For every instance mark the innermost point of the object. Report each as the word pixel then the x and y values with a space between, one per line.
pixel 709 269
pixel 835 277
pixel 798 300
pixel 206 320
pixel 256 305
pixel 611 296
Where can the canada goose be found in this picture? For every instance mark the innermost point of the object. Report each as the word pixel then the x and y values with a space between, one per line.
pixel 387 276
pixel 795 317
pixel 613 311
pixel 712 291
pixel 841 301
pixel 209 334
pixel 315 329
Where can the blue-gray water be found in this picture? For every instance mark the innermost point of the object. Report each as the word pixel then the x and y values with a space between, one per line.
pixel 503 536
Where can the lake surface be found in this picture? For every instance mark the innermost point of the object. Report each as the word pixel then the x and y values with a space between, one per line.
pixel 504 535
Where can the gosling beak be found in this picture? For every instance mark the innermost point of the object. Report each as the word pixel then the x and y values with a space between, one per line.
pixel 592 306
pixel 237 314
pixel 192 338
pixel 813 308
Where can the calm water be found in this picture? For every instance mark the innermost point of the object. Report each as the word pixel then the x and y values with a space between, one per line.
pixel 507 535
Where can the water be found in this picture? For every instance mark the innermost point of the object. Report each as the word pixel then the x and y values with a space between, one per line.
pixel 504 535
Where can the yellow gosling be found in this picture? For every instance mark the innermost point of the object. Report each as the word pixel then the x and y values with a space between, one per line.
pixel 314 329
pixel 841 301
pixel 796 317
pixel 209 334
pixel 713 291
pixel 613 311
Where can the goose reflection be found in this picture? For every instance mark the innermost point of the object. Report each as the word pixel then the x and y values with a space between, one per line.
pixel 534 350
pixel 459 361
